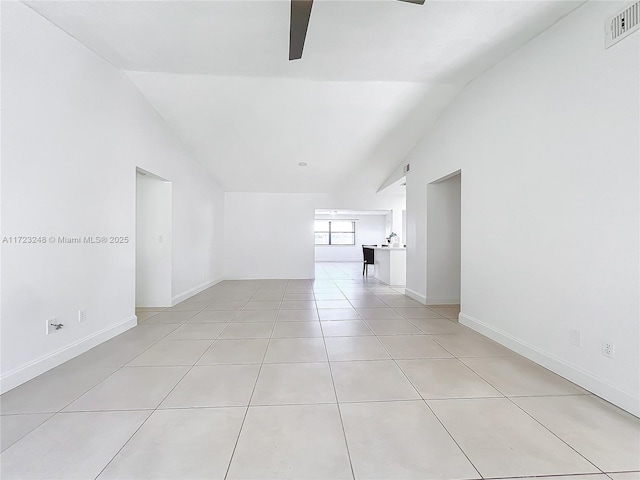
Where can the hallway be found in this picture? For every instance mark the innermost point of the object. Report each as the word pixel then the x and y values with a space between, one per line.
pixel 337 378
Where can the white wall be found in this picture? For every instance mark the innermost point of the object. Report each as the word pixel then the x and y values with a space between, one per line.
pixel 73 131
pixel 270 235
pixel 443 241
pixel 370 230
pixel 153 242
pixel 547 144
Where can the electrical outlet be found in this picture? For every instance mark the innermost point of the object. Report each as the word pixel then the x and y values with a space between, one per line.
pixel 82 315
pixel 575 337
pixel 53 326
pixel 608 349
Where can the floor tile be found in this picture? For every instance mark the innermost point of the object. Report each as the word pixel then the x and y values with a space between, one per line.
pixel 172 352
pixel 471 345
pixel 297 330
pixel 211 316
pixel 141 335
pixel 393 327
pixel 123 348
pixel 412 346
pixel 294 383
pixel 70 446
pixel 336 295
pixel 603 433
pixel 401 440
pixel 345 328
pixel 189 306
pixel 233 305
pixel 247 330
pixel 417 312
pixel 361 294
pixel 262 305
pixel 53 390
pixel 338 314
pixel 355 348
pixel 298 305
pixel 501 440
pixel 371 381
pixel 14 427
pixel 297 316
pixel 445 378
pixel 393 434
pixel 170 317
pixel 438 326
pixel 333 303
pixel 190 444
pixel 284 350
pixel 367 302
pixel 517 376
pixel 381 288
pixel 235 352
pixel 291 442
pixel 197 331
pixel 130 388
pixel 256 316
pixel 447 311
pixel 567 477
pixel 214 386
pixel 142 316
pixel 378 313
pixel 268 297
pixel 402 302
pixel 292 297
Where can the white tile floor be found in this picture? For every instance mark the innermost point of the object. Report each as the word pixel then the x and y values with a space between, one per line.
pixel 337 378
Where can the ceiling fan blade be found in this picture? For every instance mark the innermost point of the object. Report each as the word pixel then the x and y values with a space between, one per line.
pixel 300 13
pixel 417 2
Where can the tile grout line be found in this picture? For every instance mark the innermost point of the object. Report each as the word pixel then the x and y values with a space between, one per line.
pixel 152 411
pixel 552 432
pixel 246 412
pixel 335 392
pixel 112 373
pixel 423 400
pixel 504 396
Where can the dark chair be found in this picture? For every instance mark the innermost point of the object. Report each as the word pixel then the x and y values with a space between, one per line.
pixel 367 254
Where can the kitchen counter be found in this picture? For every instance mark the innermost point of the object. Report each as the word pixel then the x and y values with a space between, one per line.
pixel 390 264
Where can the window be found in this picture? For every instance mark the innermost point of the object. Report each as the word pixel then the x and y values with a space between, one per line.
pixel 335 232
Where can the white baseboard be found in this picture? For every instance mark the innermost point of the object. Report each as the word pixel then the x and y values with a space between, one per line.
pixel 443 301
pixel 573 373
pixel 40 365
pixel 415 295
pixel 195 290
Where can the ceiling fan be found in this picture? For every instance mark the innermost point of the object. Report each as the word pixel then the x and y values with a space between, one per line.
pixel 300 13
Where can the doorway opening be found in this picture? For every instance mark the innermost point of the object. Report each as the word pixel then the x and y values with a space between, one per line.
pixel 444 240
pixel 153 240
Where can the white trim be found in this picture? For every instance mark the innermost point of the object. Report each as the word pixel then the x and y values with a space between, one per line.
pixel 195 290
pixel 443 301
pixel 596 385
pixel 415 295
pixel 40 365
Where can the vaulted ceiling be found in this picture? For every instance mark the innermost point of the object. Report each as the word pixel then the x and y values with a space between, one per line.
pixel 375 74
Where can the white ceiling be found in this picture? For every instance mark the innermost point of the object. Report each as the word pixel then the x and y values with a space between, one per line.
pixel 375 74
